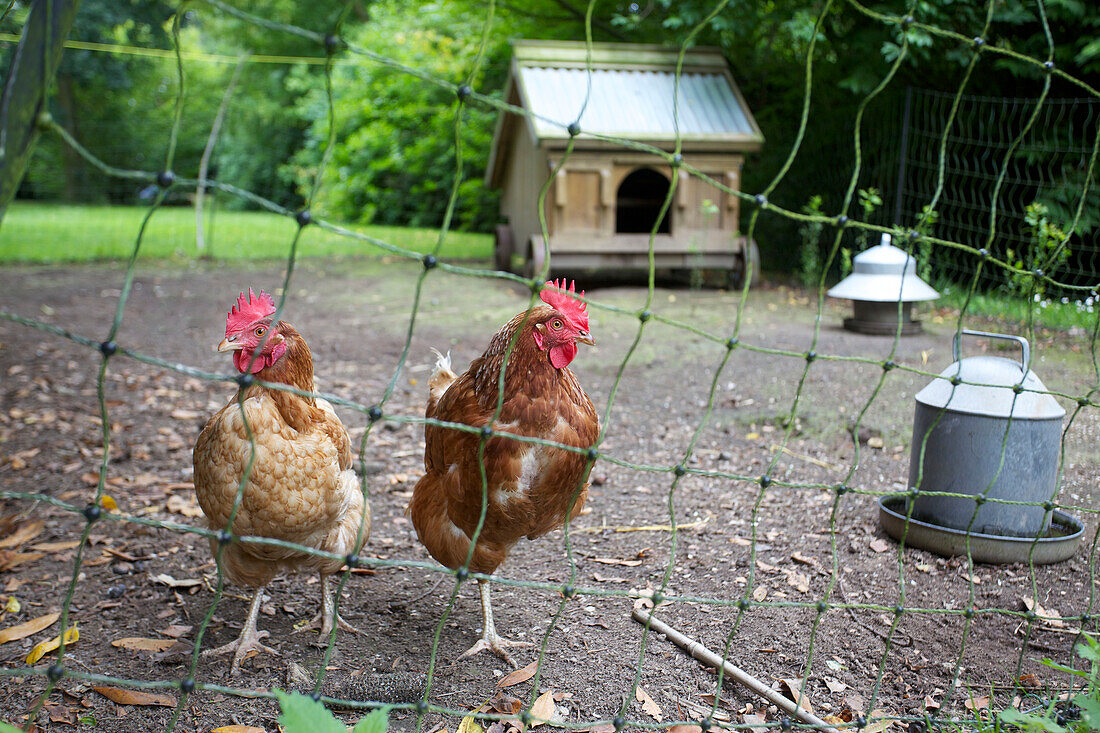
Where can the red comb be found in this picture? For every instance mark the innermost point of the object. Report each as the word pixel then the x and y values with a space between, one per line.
pixel 248 310
pixel 574 310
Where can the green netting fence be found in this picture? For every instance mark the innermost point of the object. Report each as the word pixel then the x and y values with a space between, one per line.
pixel 969 247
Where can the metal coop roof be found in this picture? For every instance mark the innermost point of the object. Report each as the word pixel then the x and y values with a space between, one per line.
pixel 634 104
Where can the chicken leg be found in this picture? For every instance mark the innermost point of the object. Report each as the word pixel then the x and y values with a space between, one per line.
pixel 489 639
pixel 327 617
pixel 249 639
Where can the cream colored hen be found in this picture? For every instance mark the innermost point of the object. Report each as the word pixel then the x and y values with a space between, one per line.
pixel 300 487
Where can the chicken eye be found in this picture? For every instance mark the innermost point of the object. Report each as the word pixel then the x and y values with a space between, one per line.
pixel 260 332
pixel 556 324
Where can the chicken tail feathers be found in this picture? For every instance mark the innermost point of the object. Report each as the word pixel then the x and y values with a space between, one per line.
pixel 442 376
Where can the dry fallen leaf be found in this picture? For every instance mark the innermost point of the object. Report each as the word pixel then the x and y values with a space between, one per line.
pixel 760 593
pixel 791 688
pixel 685 729
pixel 139 644
pixel 649 707
pixel 25 533
pixel 757 722
pixel 27 628
pixel 184 505
pixel 45 647
pixel 181 414
pixel 804 559
pixel 171 582
pixel 798 581
pixel 55 546
pixel 123 696
pixel 835 685
pixel 9 559
pixel 519 675
pixel 544 710
pixel 880 545
pixel 238 729
pixel 977 703
pixel 616 561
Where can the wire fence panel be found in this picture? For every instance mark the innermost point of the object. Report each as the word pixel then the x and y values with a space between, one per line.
pixel 744 446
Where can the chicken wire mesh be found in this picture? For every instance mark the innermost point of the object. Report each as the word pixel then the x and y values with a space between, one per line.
pixel 973 252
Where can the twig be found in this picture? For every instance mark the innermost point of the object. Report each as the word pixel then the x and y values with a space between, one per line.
pixel 645 527
pixel 700 652
pixel 808 459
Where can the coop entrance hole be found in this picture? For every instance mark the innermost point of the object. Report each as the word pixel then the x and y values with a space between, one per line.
pixel 638 203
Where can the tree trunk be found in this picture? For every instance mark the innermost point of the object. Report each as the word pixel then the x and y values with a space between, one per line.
pixel 72 163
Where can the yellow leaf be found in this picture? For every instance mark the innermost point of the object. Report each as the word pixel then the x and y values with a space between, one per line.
pixel 27 628
pixel 123 696
pixel 752 436
pixel 238 729
pixel 45 647
pixel 12 605
pixel 469 725
pixel 109 504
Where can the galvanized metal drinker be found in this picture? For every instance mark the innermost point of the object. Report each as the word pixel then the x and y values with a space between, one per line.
pixel 881 277
pixel 985 429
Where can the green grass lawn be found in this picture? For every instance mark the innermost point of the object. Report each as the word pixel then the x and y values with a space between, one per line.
pixel 42 233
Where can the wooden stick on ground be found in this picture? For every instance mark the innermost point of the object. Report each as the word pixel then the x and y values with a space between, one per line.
pixel 746 680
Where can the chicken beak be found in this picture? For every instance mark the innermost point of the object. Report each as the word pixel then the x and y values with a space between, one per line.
pixel 230 344
pixel 585 337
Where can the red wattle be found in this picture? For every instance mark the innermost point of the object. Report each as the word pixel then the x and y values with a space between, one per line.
pixel 562 354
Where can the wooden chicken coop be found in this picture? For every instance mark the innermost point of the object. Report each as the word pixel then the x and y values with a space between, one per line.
pixel 605 200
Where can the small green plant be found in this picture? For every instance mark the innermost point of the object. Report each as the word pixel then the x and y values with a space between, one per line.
pixel 869 200
pixel 1046 251
pixel 928 219
pixel 302 714
pixel 1081 714
pixel 809 254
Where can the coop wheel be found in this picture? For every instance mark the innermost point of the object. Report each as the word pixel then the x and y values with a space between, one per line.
pixel 503 247
pixel 749 259
pixel 536 256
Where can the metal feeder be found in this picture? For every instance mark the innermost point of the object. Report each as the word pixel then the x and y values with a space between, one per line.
pixel 985 428
pixel 881 276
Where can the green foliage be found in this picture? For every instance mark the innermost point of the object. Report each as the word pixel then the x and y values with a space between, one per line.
pixel 1053 719
pixel 394 158
pixel 869 200
pixel 923 227
pixel 1047 251
pixel 809 260
pixel 301 714
pixel 9 728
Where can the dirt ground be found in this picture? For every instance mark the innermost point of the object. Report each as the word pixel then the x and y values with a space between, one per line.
pixel 145 581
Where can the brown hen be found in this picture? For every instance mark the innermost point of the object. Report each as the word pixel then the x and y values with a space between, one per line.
pixel 300 486
pixel 531 487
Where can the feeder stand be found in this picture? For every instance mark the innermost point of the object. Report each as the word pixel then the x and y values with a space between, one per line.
pixel 882 276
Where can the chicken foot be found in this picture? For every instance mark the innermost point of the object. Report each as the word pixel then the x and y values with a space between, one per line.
pixel 327 617
pixel 249 639
pixel 490 640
